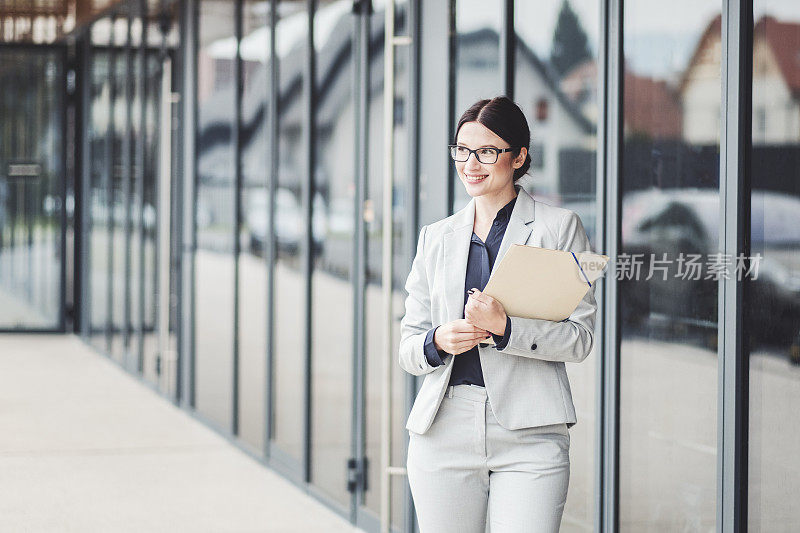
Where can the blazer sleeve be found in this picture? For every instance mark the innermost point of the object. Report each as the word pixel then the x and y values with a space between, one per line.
pixel 416 322
pixel 570 340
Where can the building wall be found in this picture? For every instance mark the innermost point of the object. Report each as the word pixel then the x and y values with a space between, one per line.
pixel 289 321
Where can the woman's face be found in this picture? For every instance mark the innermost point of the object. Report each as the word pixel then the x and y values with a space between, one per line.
pixel 478 178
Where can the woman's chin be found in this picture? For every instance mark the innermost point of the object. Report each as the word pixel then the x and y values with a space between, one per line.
pixel 477 188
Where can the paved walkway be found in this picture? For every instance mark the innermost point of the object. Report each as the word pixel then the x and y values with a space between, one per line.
pixel 85 447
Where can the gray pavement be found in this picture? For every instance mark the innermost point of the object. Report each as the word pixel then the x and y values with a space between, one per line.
pixel 86 447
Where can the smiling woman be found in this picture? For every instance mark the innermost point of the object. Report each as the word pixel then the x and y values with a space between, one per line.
pixel 516 389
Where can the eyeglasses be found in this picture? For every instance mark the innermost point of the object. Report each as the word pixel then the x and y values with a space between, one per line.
pixel 487 156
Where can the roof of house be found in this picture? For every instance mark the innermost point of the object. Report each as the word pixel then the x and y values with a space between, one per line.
pixel 651 107
pixel 783 39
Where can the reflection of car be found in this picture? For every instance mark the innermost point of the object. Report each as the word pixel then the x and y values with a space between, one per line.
pixel 288 220
pixel 675 221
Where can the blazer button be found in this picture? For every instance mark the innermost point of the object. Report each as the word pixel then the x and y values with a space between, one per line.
pixel 533 346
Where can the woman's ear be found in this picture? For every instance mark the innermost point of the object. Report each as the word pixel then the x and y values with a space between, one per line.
pixel 520 159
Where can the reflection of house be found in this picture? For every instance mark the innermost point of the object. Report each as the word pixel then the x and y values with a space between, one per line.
pixel 699 88
pixel 776 84
pixel 334 117
pixel 652 107
pixel 562 137
pixel 580 86
pixel 560 132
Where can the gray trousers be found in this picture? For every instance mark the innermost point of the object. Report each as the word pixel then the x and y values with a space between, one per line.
pixel 467 465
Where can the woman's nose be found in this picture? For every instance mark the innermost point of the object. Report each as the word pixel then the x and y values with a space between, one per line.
pixel 472 161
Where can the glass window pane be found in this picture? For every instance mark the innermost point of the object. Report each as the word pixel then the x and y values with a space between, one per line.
pixel 373 296
pixel 555 85
pixel 215 211
pixel 669 221
pixel 333 228
pixel 149 214
pixel 772 306
pixel 253 236
pixel 31 159
pixel 99 201
pixel 289 324
pixel 477 63
pixel 135 190
pixel 119 203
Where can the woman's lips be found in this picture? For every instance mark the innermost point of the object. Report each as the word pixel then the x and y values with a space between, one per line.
pixel 475 178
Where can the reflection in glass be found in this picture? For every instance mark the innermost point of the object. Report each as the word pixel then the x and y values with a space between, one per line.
pixel 215 212
pixel 149 216
pixel 291 32
pixel 119 203
pixel 31 153
pixel 668 309
pixel 772 305
pixel 99 201
pixel 333 221
pixel 134 296
pixel 477 63
pixel 374 351
pixel 255 153
pixel 555 85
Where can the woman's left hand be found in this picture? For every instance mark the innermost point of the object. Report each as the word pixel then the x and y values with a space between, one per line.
pixel 485 312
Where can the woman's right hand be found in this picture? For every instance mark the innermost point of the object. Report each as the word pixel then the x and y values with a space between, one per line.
pixel 458 336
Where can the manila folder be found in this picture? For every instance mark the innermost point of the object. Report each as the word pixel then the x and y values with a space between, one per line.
pixel 533 282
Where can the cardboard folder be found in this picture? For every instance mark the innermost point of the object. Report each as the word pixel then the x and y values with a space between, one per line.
pixel 533 282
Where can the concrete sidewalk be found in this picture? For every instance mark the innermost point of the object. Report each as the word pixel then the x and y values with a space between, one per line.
pixel 85 447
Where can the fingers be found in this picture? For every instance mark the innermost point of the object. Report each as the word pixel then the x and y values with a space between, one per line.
pixel 457 345
pixel 480 297
pixel 463 326
pixel 469 337
pixel 461 347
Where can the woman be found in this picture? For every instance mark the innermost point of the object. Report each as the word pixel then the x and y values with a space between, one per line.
pixel 489 427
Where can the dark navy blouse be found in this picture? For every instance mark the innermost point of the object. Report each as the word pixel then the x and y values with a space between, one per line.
pixel 467 365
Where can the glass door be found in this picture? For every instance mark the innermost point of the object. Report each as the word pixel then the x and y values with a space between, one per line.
pixel 32 188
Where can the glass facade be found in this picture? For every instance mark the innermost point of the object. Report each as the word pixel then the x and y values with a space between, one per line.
pixel 290 233
pixel 252 279
pixel 221 166
pixel 31 191
pixel 477 64
pixel 333 208
pixel 555 85
pixel 215 220
pixel 772 298
pixel 669 185
pixel 126 189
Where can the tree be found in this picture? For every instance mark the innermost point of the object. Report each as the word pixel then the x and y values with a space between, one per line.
pixel 570 43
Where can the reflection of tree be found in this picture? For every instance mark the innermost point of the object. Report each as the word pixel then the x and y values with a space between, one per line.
pixel 570 43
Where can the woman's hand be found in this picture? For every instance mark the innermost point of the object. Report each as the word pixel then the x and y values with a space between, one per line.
pixel 485 312
pixel 458 336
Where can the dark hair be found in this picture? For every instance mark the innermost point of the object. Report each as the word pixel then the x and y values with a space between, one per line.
pixel 506 120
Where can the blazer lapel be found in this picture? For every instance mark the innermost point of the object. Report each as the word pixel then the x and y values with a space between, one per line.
pixel 519 225
pixel 456 253
pixel 456 246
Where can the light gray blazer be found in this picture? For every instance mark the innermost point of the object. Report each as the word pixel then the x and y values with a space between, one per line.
pixel 526 381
